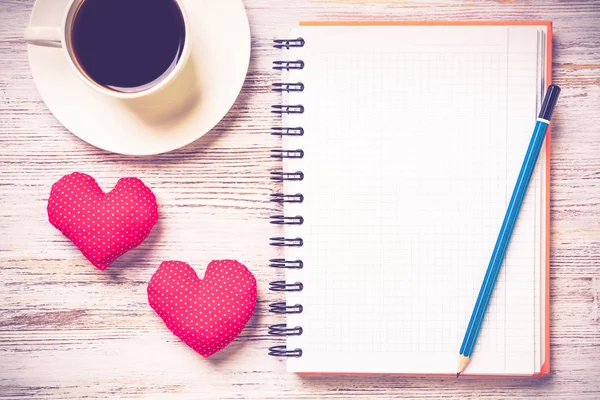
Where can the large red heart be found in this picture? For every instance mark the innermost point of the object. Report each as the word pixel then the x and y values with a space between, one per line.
pixel 207 314
pixel 104 226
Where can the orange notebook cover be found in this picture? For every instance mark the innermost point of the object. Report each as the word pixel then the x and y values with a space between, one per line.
pixel 344 101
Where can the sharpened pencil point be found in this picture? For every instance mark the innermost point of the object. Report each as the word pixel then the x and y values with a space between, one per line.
pixel 462 364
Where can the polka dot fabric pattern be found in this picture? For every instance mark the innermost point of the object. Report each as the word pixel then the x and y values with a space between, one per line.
pixel 209 313
pixel 104 226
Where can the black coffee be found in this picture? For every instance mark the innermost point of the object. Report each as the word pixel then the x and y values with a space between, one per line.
pixel 128 45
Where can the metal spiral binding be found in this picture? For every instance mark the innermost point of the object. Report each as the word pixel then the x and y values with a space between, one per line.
pixel 283 330
pixel 288 87
pixel 286 242
pixel 288 43
pixel 287 176
pixel 288 65
pixel 279 131
pixel 283 263
pixel 282 351
pixel 283 308
pixel 283 286
pixel 287 109
pixel 277 153
pixel 282 220
pixel 287 198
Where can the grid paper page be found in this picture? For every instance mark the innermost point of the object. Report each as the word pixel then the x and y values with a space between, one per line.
pixel 412 148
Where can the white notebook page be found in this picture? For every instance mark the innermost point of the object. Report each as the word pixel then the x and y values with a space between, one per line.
pixel 414 139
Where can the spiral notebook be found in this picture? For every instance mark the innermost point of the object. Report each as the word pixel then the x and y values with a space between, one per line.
pixel 401 144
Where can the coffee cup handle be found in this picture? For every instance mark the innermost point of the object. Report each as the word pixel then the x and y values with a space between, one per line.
pixel 47 36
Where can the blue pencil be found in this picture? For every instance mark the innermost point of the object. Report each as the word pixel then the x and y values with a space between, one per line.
pixel 508 225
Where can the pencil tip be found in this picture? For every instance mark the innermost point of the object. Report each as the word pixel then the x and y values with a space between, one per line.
pixel 462 364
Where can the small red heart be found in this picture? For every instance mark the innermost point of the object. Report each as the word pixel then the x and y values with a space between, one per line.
pixel 104 226
pixel 207 314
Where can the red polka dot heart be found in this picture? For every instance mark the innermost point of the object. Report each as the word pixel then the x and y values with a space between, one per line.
pixel 207 314
pixel 104 226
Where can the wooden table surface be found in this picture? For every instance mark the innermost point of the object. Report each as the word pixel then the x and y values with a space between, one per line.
pixel 69 331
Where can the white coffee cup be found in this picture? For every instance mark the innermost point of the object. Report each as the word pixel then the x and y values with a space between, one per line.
pixel 60 37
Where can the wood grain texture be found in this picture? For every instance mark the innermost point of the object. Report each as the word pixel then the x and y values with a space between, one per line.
pixel 69 331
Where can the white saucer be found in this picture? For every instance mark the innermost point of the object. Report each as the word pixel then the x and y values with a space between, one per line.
pixel 187 109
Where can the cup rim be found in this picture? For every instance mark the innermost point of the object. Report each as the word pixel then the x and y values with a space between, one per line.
pixel 185 53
